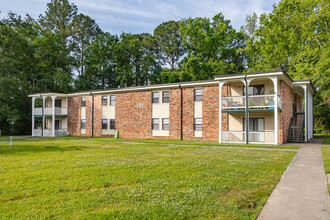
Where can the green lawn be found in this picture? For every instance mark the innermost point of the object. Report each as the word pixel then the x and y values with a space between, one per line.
pixel 326 154
pixel 100 178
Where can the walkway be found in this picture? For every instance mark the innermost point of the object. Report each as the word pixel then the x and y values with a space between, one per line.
pixel 302 192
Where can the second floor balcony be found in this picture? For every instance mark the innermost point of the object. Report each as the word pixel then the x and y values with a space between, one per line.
pixel 49 111
pixel 256 103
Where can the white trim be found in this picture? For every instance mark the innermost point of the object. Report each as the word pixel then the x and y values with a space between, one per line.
pixel 220 111
pixel 33 100
pixel 275 82
pixel 53 116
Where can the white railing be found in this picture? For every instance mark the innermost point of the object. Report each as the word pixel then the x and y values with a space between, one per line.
pixel 255 102
pixel 48 111
pixel 264 137
pixel 48 132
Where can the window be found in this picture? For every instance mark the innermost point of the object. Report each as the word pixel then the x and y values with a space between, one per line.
pixel 58 124
pixel 104 123
pixel 105 100
pixel 255 90
pixel 198 124
pixel 166 97
pixel 112 124
pixel 155 97
pixel 58 103
pixel 166 124
pixel 198 95
pixel 83 124
pixel 83 101
pixel 155 124
pixel 112 100
pixel 255 124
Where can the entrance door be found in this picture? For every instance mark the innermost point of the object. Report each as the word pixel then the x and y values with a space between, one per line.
pixel 58 124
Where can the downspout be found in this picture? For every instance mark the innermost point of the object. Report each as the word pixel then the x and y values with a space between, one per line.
pixel 246 110
pixel 181 114
pixel 42 116
pixel 92 113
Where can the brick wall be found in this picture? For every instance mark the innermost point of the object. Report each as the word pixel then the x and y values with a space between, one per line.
pixel 97 116
pixel 211 113
pixel 175 113
pixel 188 114
pixel 224 115
pixel 133 114
pixel 287 98
pixel 74 116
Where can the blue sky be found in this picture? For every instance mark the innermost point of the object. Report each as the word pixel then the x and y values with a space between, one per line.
pixel 140 16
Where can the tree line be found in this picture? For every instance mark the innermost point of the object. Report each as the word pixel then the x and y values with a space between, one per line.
pixel 66 51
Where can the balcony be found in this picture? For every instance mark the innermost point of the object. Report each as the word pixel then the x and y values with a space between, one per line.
pixel 49 111
pixel 48 132
pixel 265 137
pixel 257 103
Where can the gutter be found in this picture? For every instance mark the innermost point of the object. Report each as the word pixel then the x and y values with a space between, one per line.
pixel 92 113
pixel 42 113
pixel 181 113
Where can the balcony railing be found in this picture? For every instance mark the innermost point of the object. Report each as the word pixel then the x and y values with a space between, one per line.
pixel 267 137
pixel 48 132
pixel 49 111
pixel 255 102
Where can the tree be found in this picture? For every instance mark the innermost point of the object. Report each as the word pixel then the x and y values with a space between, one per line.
pixel 168 44
pixel 59 19
pixel 212 47
pixel 85 31
pixel 100 64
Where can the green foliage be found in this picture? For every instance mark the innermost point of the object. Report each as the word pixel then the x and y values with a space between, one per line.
pixel 168 44
pixel 212 47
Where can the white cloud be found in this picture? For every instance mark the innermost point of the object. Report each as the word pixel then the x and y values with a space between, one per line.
pixel 139 16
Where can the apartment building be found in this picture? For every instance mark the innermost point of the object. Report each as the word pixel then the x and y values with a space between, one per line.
pixel 262 107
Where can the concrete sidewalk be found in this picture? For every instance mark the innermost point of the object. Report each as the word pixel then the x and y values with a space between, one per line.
pixel 302 192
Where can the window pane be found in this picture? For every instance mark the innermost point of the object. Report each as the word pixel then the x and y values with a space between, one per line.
pixel 83 101
pixel 104 100
pixel 104 124
pixel 112 124
pixel 198 124
pixel 112 100
pixel 166 97
pixel 155 97
pixel 83 124
pixel 165 124
pixel 58 103
pixel 198 95
pixel 155 124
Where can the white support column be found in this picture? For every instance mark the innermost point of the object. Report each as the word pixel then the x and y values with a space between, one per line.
pixel 306 112
pixel 220 111
pixel 43 116
pixel 53 116
pixel 247 113
pixel 33 100
pixel 274 79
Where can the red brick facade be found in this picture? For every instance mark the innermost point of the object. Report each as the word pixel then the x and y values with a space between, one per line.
pixel 74 116
pixel 133 114
pixel 287 98
pixel 175 113
pixel 211 113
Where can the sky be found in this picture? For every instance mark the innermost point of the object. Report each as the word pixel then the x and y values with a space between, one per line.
pixel 143 16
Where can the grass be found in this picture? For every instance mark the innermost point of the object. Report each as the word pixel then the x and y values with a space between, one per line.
pixel 100 178
pixel 326 154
